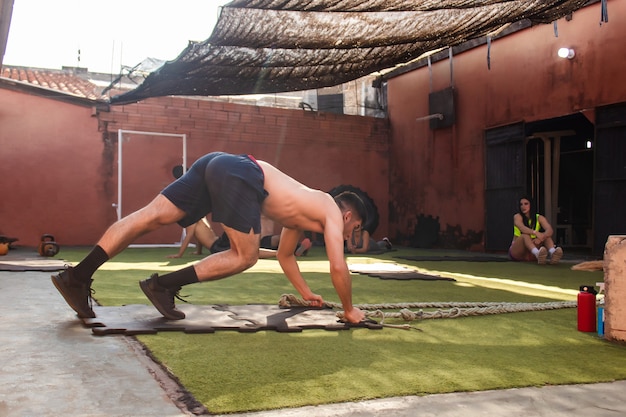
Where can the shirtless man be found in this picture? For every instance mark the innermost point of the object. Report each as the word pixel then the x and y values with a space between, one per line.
pixel 236 189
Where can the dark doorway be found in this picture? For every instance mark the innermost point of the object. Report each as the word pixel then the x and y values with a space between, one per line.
pixel 609 203
pixel 504 182
pixel 563 185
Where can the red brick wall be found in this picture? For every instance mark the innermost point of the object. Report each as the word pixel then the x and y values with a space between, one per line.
pixel 60 160
pixel 322 150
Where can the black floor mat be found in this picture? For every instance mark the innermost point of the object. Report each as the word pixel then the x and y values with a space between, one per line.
pixel 143 319
pixel 407 276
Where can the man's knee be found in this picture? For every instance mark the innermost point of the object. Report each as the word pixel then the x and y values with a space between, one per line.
pixel 161 212
pixel 247 253
pixel 244 246
pixel 248 259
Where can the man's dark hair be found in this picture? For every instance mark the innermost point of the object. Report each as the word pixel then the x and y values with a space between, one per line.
pixel 352 201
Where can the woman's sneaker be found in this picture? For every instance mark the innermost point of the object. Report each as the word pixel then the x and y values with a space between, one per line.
pixel 542 256
pixel 556 256
pixel 76 292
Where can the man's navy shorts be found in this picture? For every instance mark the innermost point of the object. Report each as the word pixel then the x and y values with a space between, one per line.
pixel 228 186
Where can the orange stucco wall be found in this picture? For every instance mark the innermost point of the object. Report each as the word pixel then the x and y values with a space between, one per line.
pixel 60 161
pixel 51 164
pixel 441 172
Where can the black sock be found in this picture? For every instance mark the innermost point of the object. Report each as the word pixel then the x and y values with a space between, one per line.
pixel 86 268
pixel 178 278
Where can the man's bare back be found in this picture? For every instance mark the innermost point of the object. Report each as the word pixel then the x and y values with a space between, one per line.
pixel 299 208
pixel 294 205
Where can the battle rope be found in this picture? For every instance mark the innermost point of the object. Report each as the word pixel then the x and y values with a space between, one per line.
pixel 455 309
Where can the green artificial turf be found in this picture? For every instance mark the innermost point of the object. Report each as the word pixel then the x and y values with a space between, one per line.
pixel 234 372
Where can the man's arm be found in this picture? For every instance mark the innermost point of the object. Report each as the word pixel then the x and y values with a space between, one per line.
pixel 339 272
pixel 287 260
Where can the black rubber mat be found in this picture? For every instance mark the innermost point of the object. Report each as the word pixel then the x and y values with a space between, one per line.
pixel 407 276
pixel 143 319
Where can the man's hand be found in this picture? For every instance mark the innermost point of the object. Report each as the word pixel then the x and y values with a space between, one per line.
pixel 354 316
pixel 315 300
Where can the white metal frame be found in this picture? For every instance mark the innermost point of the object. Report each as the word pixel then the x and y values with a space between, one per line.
pixel 120 140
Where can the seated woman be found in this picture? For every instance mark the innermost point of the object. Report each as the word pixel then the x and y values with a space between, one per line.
pixel 270 240
pixel 532 236
pixel 203 234
pixel 361 242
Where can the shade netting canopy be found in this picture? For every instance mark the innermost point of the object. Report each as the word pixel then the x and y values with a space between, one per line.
pixel 272 46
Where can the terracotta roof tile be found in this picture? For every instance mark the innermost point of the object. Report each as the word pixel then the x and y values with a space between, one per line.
pixel 75 81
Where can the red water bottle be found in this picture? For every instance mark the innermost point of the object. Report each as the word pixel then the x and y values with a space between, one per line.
pixel 587 309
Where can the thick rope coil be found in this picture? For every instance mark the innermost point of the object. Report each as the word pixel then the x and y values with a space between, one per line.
pixel 455 309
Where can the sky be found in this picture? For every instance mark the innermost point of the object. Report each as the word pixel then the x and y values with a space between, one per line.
pixel 108 33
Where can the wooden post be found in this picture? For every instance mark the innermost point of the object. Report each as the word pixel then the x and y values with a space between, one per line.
pixel 615 288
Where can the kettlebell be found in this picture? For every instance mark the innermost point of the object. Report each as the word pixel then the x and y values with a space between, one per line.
pixel 48 247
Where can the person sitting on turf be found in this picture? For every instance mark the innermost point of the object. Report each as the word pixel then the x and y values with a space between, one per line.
pixel 271 240
pixel 236 189
pixel 361 242
pixel 532 236
pixel 205 236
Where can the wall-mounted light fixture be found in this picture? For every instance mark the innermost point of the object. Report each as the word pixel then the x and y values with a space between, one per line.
pixel 566 53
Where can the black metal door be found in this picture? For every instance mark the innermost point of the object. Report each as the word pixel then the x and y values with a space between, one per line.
pixel 609 203
pixel 505 182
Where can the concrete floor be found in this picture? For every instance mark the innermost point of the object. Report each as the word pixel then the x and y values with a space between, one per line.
pixel 53 366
